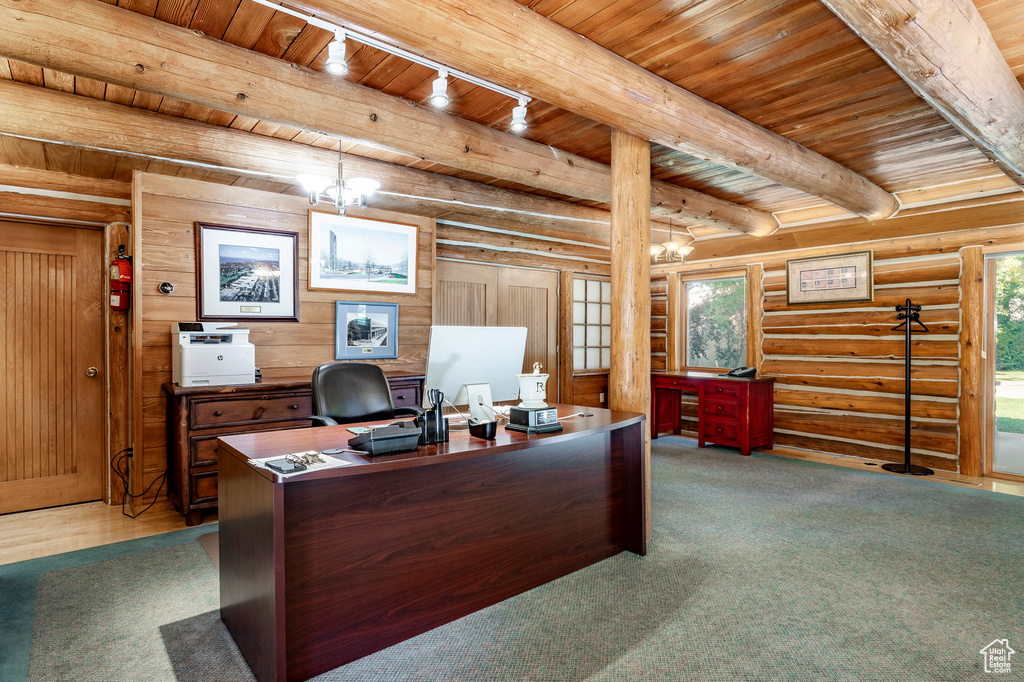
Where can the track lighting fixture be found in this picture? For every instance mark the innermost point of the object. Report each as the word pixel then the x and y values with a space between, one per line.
pixel 439 90
pixel 336 63
pixel 518 124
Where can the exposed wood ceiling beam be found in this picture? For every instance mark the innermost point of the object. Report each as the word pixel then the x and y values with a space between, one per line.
pixel 514 46
pixel 32 112
pixel 96 40
pixel 944 50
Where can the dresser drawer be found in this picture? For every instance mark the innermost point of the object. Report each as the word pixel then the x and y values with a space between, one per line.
pixel 405 393
pixel 722 388
pixel 203 449
pixel 720 431
pixel 204 487
pixel 222 411
pixel 721 408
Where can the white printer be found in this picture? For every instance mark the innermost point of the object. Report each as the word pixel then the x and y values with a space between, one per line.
pixel 210 354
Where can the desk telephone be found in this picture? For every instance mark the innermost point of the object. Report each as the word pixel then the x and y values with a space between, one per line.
pixel 743 372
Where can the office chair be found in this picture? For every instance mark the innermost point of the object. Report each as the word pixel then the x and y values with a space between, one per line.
pixel 346 392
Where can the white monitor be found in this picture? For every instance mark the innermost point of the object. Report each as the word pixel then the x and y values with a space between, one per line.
pixel 474 355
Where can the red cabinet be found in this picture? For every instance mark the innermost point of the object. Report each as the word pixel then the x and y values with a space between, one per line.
pixel 730 410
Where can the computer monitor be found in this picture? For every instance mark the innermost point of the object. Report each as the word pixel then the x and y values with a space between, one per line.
pixel 458 356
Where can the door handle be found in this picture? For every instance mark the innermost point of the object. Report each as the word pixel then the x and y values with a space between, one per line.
pixel 91 372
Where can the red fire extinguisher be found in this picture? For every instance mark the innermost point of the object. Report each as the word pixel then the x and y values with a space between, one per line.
pixel 120 280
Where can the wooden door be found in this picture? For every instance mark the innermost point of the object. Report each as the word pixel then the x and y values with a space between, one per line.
pixel 475 294
pixel 529 298
pixel 52 414
pixel 467 294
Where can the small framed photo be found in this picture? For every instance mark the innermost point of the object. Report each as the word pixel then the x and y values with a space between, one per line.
pixel 359 254
pixel 246 274
pixel 843 278
pixel 365 330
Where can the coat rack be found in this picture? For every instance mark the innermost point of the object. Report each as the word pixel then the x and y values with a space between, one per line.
pixel 909 313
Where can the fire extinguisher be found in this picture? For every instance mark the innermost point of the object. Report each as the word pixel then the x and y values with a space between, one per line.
pixel 120 280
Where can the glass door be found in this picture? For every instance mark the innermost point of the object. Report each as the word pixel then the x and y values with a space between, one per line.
pixel 1005 362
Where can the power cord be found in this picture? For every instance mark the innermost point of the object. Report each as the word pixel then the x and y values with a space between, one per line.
pixel 115 466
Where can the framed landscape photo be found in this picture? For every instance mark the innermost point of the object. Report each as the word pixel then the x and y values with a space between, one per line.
pixel 842 278
pixel 246 273
pixel 365 330
pixel 359 254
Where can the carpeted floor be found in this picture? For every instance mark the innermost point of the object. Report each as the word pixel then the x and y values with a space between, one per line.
pixel 760 568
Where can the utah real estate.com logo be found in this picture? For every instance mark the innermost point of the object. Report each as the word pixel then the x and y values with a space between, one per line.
pixel 997 656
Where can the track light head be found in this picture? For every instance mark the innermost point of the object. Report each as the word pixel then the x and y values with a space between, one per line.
pixel 336 63
pixel 439 90
pixel 518 124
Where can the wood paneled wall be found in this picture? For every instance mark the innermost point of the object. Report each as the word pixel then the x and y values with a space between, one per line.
pixel 166 209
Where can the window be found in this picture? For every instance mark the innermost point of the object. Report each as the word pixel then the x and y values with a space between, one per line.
pixel 714 322
pixel 591 324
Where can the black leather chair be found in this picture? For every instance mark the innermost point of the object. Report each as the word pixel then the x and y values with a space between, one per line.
pixel 346 392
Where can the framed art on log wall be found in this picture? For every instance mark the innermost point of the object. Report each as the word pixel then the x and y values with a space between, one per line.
pixel 359 254
pixel 844 277
pixel 246 274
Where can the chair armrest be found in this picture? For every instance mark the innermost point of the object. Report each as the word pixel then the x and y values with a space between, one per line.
pixel 324 421
pixel 410 410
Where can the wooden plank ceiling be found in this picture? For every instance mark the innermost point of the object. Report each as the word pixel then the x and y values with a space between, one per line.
pixel 788 65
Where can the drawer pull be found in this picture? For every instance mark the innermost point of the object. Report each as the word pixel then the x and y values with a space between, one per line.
pixel 401 397
pixel 259 412
pixel 218 413
pixel 719 429
pixel 293 407
pixel 718 407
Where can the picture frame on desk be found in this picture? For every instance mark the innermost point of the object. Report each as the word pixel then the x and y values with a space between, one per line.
pixel 361 254
pixel 839 278
pixel 365 330
pixel 246 274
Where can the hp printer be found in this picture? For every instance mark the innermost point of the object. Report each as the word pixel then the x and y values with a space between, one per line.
pixel 210 354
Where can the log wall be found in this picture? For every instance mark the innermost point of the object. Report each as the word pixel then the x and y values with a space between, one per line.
pixel 841 368
pixel 166 209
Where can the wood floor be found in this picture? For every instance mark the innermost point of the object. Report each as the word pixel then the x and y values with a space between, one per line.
pixel 34 534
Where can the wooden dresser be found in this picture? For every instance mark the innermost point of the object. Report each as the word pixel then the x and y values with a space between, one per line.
pixel 198 415
pixel 730 410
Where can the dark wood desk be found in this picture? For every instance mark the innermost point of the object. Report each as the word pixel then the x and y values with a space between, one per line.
pixel 326 567
pixel 730 410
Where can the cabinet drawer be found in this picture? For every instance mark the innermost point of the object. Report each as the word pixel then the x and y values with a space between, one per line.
pixel 221 411
pixel 678 383
pixel 721 408
pixel 204 487
pixel 722 388
pixel 407 395
pixel 203 449
pixel 720 431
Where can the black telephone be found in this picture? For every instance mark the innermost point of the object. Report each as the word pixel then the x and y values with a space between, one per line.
pixel 742 372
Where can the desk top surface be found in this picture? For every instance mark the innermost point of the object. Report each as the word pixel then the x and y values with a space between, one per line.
pixel 460 445
pixel 708 376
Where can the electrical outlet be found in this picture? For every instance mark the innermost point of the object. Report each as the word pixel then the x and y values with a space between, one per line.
pixel 602 398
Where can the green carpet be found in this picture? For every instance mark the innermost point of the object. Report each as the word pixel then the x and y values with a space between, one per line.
pixel 760 568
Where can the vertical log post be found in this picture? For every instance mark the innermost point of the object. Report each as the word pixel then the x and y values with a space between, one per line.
pixel 629 381
pixel 755 315
pixel 972 368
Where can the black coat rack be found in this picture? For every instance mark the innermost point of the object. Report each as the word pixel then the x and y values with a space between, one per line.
pixel 909 314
